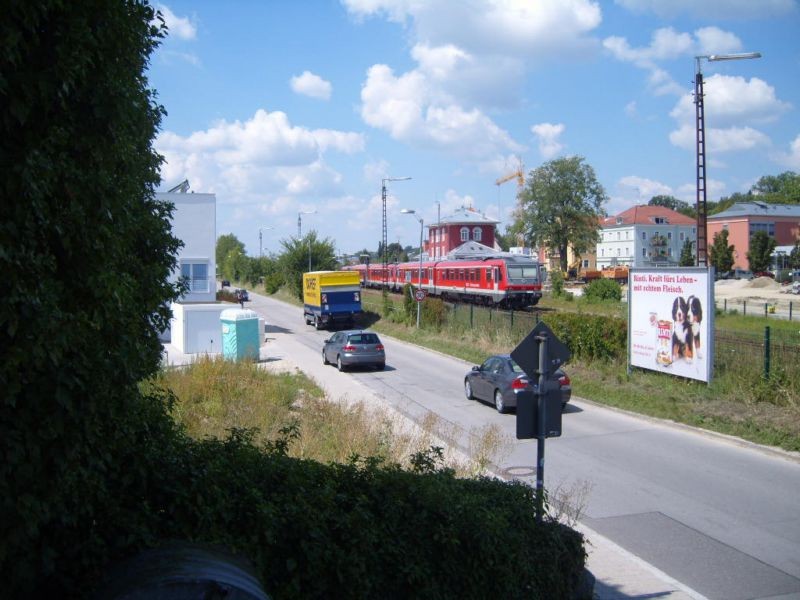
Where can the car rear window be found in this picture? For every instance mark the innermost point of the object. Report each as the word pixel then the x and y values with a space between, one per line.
pixel 364 338
pixel 515 367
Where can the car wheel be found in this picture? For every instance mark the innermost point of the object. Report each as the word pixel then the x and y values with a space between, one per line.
pixel 498 402
pixel 324 359
pixel 468 390
pixel 339 364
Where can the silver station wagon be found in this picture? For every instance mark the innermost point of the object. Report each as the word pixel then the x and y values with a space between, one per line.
pixel 354 348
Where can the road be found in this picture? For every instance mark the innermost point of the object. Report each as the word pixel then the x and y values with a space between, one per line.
pixel 715 514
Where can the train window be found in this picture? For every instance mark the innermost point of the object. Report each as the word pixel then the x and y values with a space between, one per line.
pixel 523 272
pixel 430 273
pixel 461 274
pixel 498 274
pixel 488 273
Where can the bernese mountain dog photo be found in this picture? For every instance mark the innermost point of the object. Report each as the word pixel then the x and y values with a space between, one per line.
pixel 682 338
pixel 694 316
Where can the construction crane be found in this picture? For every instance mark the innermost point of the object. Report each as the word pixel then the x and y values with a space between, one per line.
pixel 518 173
pixel 181 188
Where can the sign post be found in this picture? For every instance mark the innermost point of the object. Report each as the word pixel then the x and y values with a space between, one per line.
pixel 539 412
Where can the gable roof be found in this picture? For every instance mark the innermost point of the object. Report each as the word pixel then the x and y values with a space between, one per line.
pixel 757 209
pixel 467 215
pixel 646 215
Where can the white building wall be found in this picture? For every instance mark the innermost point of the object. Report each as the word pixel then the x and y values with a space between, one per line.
pixel 194 222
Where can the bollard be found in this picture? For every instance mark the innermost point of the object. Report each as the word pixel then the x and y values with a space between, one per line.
pixel 766 352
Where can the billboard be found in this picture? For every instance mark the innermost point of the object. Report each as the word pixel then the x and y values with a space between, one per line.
pixel 671 321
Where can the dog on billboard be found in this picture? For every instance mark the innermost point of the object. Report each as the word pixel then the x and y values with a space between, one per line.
pixel 695 318
pixel 682 338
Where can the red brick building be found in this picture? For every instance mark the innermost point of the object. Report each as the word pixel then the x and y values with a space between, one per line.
pixel 464 225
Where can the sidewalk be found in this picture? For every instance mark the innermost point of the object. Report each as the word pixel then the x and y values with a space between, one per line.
pixel 619 575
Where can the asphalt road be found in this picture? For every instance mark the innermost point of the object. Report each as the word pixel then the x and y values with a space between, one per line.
pixel 720 516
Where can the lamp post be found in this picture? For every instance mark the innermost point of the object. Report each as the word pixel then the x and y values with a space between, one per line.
pixel 385 276
pixel 260 245
pixel 702 233
pixel 411 211
pixel 300 221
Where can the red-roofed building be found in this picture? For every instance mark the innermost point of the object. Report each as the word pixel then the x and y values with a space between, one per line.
pixel 644 236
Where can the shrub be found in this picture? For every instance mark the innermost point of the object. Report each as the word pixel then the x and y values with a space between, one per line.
pixel 557 283
pixel 409 304
pixel 591 337
pixel 602 289
pixel 434 312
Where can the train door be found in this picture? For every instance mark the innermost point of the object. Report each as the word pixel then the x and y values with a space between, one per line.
pixel 495 278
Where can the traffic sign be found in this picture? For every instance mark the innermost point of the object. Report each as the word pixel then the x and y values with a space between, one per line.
pixel 526 354
pixel 419 295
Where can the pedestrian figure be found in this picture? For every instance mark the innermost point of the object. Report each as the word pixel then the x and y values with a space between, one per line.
pixel 240 297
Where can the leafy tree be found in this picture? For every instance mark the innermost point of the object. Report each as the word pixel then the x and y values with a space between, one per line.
pixel 228 249
pixel 673 203
pixel 794 256
pixel 720 253
pixel 397 253
pixel 760 253
pixel 779 189
pixel 298 253
pixel 86 252
pixel 713 208
pixel 561 206
pixel 687 254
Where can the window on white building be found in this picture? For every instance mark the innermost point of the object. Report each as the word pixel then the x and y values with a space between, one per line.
pixel 669 236
pixel 682 235
pixel 619 236
pixel 644 252
pixel 476 234
pixel 464 234
pixel 619 251
pixel 644 236
pixel 669 251
pixel 196 275
pixel 627 251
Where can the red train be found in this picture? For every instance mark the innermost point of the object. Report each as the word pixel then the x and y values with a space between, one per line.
pixel 505 281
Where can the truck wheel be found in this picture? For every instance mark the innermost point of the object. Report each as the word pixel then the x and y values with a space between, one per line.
pixel 317 323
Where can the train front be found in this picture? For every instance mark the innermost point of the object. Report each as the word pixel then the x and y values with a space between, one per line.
pixel 524 278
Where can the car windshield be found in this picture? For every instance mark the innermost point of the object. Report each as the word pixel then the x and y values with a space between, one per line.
pixel 363 338
pixel 523 271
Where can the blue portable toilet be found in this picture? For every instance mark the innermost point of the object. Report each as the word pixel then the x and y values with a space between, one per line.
pixel 240 337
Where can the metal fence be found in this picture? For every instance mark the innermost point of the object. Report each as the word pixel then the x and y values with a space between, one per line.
pixel 773 309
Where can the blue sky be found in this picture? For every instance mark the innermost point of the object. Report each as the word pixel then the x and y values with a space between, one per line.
pixel 279 107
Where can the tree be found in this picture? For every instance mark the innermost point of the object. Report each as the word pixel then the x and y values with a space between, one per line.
pixel 687 254
pixel 760 253
pixel 794 256
pixel 86 252
pixel 673 204
pixel 778 189
pixel 297 253
pixel 720 254
pixel 561 206
pixel 228 249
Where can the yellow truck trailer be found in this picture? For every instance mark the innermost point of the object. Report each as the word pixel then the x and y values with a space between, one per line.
pixel 331 298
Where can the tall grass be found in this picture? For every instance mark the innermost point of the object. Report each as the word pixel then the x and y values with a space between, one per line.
pixel 213 396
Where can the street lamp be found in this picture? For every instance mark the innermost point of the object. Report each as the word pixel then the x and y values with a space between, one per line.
pixel 385 276
pixel 260 246
pixel 411 211
pixel 300 221
pixel 702 233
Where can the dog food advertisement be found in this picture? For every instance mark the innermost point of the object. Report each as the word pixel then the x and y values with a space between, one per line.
pixel 671 321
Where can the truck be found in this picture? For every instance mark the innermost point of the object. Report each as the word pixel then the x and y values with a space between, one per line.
pixel 331 298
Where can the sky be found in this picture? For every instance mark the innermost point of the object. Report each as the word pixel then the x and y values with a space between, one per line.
pixel 280 107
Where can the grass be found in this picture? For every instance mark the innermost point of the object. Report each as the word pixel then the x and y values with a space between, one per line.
pixel 213 396
pixel 738 402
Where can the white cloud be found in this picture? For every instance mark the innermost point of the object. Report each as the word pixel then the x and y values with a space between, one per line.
pixel 179 27
pixel 548 134
pixel 309 84
pixel 791 159
pixel 732 139
pixel 412 111
pixel 731 9
pixel 536 30
pixel 668 44
pixel 265 157
pixel 729 100
pixel 644 188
